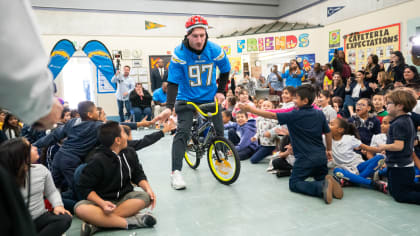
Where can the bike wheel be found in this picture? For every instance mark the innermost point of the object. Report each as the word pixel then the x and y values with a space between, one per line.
pixel 225 165
pixel 191 156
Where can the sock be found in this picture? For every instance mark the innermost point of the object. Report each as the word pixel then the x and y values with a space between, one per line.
pixel 132 222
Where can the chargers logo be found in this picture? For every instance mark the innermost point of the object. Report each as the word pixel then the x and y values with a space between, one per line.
pixel 99 53
pixel 61 53
pixel 177 60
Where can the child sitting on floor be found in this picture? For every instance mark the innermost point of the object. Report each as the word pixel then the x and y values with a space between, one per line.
pixel 265 134
pixel 240 134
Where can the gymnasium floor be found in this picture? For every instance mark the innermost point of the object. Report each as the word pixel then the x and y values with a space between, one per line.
pixel 259 204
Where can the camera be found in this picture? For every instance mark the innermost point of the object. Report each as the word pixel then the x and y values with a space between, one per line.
pixel 415 49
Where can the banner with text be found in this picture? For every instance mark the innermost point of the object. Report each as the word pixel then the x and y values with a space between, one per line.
pixel 272 43
pixel 60 55
pixel 381 41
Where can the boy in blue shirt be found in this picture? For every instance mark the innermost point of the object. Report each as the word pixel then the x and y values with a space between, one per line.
pixel 159 98
pixel 306 126
pixel 81 134
pixel 399 147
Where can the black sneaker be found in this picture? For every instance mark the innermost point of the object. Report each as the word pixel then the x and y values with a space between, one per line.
pixel 88 229
pixel 283 173
pixel 148 220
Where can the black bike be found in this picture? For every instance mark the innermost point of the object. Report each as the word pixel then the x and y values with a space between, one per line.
pixel 222 157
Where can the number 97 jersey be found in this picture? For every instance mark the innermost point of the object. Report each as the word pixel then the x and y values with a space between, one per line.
pixel 196 74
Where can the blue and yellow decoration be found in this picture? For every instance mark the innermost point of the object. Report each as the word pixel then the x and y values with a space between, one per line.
pixel 61 53
pixel 100 56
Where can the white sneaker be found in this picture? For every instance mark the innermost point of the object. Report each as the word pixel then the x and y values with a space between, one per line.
pixel 177 181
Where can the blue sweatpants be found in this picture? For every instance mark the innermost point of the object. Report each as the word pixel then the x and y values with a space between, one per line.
pixel 261 153
pixel 365 169
pixel 63 170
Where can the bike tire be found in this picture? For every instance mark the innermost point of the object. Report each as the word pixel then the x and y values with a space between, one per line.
pixel 193 161
pixel 216 166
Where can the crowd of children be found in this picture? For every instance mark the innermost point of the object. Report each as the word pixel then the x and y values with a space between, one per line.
pixel 352 131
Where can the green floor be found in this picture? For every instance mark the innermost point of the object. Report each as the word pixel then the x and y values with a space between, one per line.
pixel 259 204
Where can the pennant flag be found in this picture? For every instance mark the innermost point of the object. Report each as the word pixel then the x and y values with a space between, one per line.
pixel 60 55
pixel 100 56
pixel 152 25
pixel 332 10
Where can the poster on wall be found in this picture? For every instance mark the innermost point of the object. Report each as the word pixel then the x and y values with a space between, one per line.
pixel 236 66
pixel 103 85
pixel 334 38
pixel 306 62
pixel 331 53
pixel 226 48
pixel 154 59
pixel 381 41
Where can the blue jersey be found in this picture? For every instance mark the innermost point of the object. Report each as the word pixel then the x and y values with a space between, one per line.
pixel 196 74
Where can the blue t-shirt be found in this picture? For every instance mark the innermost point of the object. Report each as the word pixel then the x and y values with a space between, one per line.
pixel 294 80
pixel 306 126
pixel 159 95
pixel 401 128
pixel 196 74
pixel 274 81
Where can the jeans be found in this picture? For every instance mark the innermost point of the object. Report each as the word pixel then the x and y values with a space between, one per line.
pixel 63 170
pixel 350 101
pixel 121 105
pixel 261 153
pixel 305 167
pixel 365 169
pixel 49 224
pixel 140 113
pixel 185 116
pixel 401 185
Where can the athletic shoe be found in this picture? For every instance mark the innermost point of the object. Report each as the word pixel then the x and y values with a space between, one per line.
pixel 327 190
pixel 146 219
pixel 177 181
pixel 283 173
pixel 337 190
pixel 381 186
pixel 88 229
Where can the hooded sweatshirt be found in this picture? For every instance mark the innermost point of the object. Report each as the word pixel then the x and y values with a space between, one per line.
pixel 81 137
pixel 245 132
pixel 110 175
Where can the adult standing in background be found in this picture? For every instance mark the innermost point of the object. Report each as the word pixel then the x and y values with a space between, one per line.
pixel 396 68
pixel 125 84
pixel 316 75
pixel 339 64
pixel 275 82
pixel 372 69
pixel 293 75
pixel 26 84
pixel 159 75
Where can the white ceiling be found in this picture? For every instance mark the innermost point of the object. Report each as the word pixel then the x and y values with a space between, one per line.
pixel 261 9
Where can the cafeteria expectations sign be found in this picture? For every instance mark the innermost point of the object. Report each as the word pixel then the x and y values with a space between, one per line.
pixel 381 41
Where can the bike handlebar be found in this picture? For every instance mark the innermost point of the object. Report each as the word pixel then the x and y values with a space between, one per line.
pixel 201 112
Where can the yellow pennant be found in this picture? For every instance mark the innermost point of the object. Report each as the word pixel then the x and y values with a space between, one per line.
pixel 152 25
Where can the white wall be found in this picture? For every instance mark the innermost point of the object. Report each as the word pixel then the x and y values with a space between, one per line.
pixel 319 37
pixel 126 31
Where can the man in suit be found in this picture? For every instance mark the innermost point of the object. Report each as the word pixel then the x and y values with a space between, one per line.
pixel 159 74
